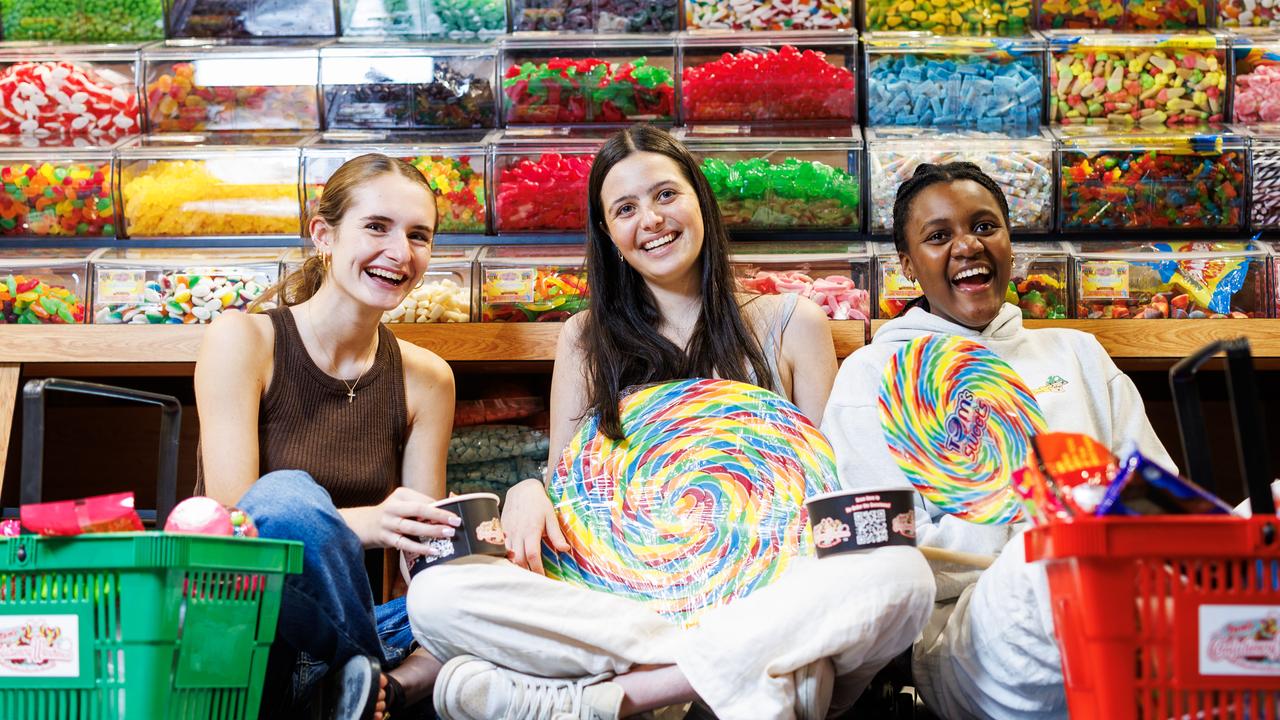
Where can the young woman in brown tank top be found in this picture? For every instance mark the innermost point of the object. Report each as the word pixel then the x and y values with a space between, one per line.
pixel 326 429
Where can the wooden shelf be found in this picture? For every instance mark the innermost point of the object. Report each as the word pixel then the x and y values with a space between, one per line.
pixel 151 345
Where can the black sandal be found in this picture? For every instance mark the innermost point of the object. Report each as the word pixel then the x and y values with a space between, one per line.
pixel 355 689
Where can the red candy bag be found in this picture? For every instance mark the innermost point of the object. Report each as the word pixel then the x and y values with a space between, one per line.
pixel 1078 467
pixel 98 514
pixel 1039 501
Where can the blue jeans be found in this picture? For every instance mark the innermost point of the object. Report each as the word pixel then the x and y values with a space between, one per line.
pixel 327 613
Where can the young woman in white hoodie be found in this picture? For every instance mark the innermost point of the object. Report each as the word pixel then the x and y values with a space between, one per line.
pixel 989 649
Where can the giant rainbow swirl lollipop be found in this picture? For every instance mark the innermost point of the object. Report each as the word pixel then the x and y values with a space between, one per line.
pixel 702 501
pixel 959 421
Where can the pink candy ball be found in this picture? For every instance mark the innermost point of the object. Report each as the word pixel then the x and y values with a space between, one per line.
pixel 200 516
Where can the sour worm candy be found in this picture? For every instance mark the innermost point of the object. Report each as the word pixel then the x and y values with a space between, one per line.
pixel 69 97
pixel 917 79
pixel 1174 280
pixel 1246 13
pixel 207 85
pixel 187 186
pixel 1137 182
pixel 700 504
pixel 949 17
pixel 572 85
pixel 959 420
pixel 80 21
pixel 150 287
pixel 408 85
pixel 1020 163
pixel 1148 80
pixel 769 14
pixel 776 77
pixel 542 193
pixel 71 197
pixel 1257 77
pixel 609 16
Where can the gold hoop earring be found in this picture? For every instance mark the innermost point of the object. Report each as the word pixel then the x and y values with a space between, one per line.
pixel 326 262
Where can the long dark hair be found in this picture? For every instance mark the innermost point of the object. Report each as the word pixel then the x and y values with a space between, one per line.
pixel 927 174
pixel 621 340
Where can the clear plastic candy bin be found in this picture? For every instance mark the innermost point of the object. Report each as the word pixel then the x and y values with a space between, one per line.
pixel 447 20
pixel 250 18
pixel 549 79
pixel 1175 279
pixel 197 85
pixel 83 20
pixel 1264 151
pixel 767 15
pixel 408 86
pixel 779 77
pixel 44 286
pixel 604 16
pixel 922 79
pixel 777 178
pixel 1255 96
pixel 531 283
pixel 1020 163
pixel 445 293
pixel 81 90
pixel 836 276
pixel 1007 18
pixel 453 163
pixel 539 179
pixel 168 286
pixel 1151 179
pixel 210 185
pixel 1039 284
pixel 57 187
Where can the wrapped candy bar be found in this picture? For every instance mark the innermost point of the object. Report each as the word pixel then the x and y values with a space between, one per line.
pixel 768 77
pixel 179 287
pixel 774 178
pixel 399 86
pixel 1020 162
pixel 601 79
pixel 1154 178
pixel 97 514
pixel 835 276
pixel 546 283
pixel 1141 487
pixel 195 85
pixel 202 185
pixel 1146 80
pixel 922 79
pixel 1173 280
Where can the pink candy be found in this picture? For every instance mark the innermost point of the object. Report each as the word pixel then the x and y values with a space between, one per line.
pixel 1258 95
pixel 49 98
pixel 835 294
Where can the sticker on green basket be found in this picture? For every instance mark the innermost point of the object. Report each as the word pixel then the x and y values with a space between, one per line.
pixel 46 649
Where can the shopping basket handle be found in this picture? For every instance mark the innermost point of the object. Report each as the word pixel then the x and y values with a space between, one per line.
pixel 33 436
pixel 1242 393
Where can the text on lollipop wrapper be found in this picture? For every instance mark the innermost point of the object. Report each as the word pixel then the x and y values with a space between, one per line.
pixel 967 424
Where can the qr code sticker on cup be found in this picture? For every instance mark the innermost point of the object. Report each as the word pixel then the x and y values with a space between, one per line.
pixel 869 527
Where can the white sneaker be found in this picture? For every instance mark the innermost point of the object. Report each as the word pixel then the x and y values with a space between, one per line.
pixel 469 688
pixel 814 684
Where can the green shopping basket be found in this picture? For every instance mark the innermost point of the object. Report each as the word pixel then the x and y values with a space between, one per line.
pixel 134 625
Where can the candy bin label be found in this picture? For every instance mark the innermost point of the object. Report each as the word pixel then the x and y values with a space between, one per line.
pixel 894 285
pixel 1104 279
pixel 1239 640
pixel 120 286
pixel 43 650
pixel 507 285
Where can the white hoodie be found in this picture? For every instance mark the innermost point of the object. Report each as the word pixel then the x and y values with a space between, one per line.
pixel 989 650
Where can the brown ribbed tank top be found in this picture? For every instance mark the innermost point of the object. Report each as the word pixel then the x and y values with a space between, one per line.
pixel 305 422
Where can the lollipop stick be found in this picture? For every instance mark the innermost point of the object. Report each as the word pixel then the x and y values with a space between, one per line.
pixel 959 558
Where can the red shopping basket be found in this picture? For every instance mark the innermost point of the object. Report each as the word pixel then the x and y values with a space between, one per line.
pixel 1174 616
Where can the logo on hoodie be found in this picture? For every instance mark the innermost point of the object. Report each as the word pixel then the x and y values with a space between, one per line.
pixel 1052 384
